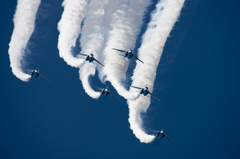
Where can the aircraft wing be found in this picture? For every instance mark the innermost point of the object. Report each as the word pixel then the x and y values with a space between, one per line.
pixel 26 68
pixel 135 87
pixel 98 88
pixel 119 50
pixel 153 130
pixel 99 62
pixel 83 54
pixel 153 96
pixel 169 139
pixel 115 96
pixel 138 59
pixel 44 77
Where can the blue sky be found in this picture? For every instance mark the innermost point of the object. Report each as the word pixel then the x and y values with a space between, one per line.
pixel 197 82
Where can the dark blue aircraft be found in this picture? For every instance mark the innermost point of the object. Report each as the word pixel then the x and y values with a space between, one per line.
pixel 128 54
pixel 106 92
pixel 161 135
pixel 145 91
pixel 90 58
pixel 35 73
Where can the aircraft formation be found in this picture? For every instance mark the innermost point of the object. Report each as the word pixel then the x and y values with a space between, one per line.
pixel 105 91
pixel 127 54
pixel 90 58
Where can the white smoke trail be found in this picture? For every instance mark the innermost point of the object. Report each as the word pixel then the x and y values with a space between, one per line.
pixel 93 35
pixel 162 21
pixel 85 72
pixel 24 23
pixel 69 28
pixel 125 26
pixel 92 38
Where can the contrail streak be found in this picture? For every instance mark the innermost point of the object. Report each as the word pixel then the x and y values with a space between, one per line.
pixel 69 28
pixel 24 23
pixel 162 21
pixel 124 28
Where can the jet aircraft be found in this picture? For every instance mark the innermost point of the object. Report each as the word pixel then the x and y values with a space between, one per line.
pixel 90 58
pixel 145 91
pixel 161 134
pixel 128 54
pixel 35 73
pixel 106 92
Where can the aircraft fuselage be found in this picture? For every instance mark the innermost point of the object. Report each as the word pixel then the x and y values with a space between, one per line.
pixel 160 133
pixel 105 92
pixel 90 58
pixel 144 91
pixel 128 54
pixel 35 73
